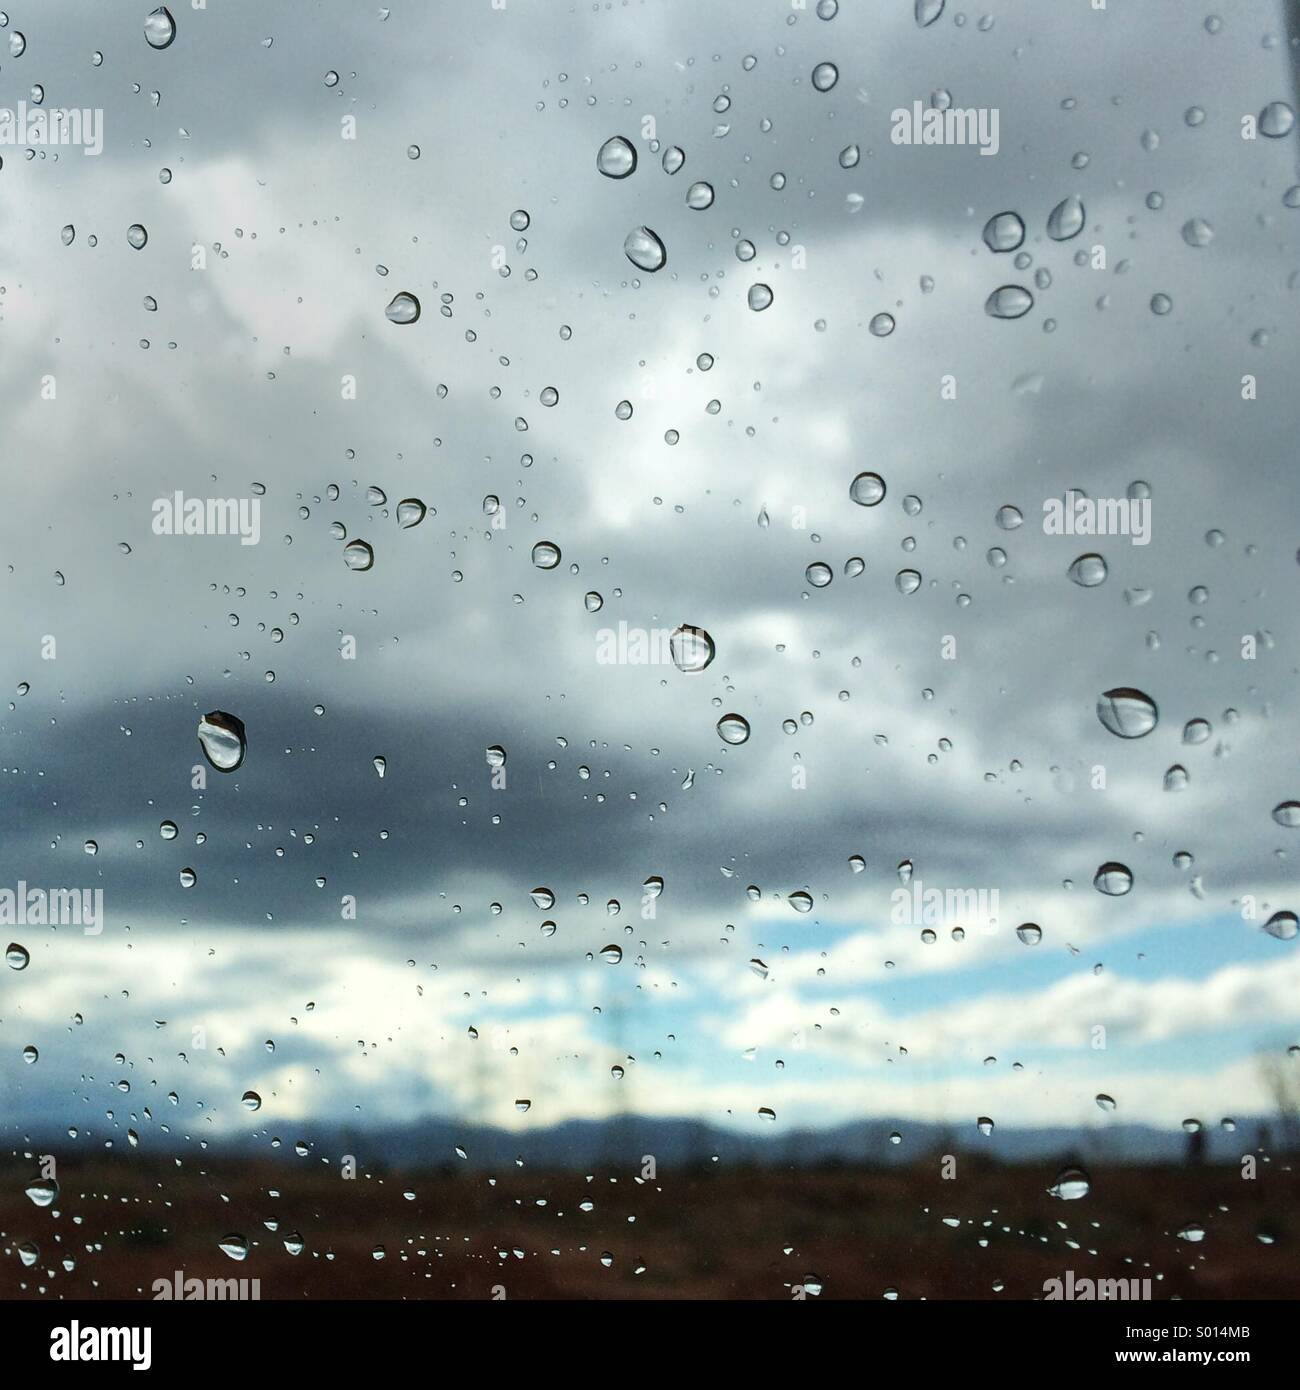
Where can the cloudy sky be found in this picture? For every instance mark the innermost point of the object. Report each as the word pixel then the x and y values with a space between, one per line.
pixel 293 176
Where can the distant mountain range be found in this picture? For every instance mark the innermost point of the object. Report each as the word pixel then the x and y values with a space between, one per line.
pixel 582 1144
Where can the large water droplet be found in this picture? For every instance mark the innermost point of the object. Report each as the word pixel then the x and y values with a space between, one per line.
pixel 1197 232
pixel 159 27
pixel 1283 926
pixel 16 956
pixel 1066 219
pixel 699 196
pixel 43 1191
pixel 733 728
pixel 759 297
pixel 1276 120
pixel 410 512
pixel 234 1246
pixel 1009 302
pixel 691 647
pixel 358 555
pixel 867 489
pixel 800 901
pixel 616 158
pixel 1127 713
pixel 825 76
pixel 1113 879
pixel 1287 813
pixel 223 740
pixel 546 555
pixel 403 308
pixel 644 249
pixel 819 575
pixel 1004 231
pixel 1071 1184
pixel 1088 571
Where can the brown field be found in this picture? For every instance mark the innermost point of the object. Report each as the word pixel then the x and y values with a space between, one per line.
pixel 710 1234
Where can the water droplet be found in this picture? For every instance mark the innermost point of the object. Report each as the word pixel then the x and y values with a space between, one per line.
pixel 801 901
pixel 1004 231
pixel 358 555
pixel 16 956
pixel 644 249
pixel 1104 1102
pixel 699 196
pixel 1127 713
pixel 1030 933
pixel 1009 302
pixel 43 1191
pixel 867 489
pixel 250 1100
pixel 543 898
pixel 674 158
pixel 1283 926
pixel 1176 778
pixel 546 555
pixel 882 325
pixel 234 1246
pixel 1113 879
pixel 691 648
pixel 1088 571
pixel 410 512
pixel 159 28
pixel 1287 813
pixel 927 11
pixel 818 574
pixel 223 740
pixel 907 581
pixel 1071 1184
pixel 733 728
pixel 825 76
pixel 1066 219
pixel 1197 232
pixel 403 308
pixel 611 954
pixel 616 158
pixel 1276 120
pixel 760 297
pixel 380 765
pixel 137 236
